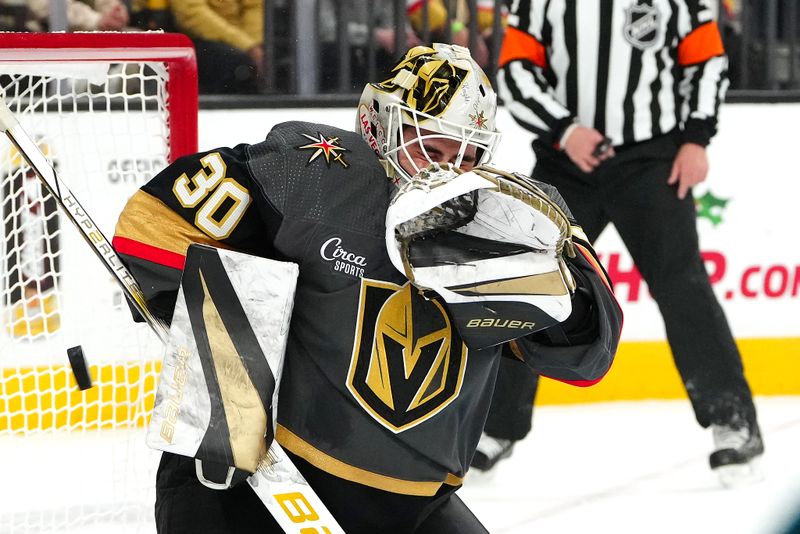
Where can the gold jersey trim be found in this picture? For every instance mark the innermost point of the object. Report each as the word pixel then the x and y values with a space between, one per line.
pixel 331 465
pixel 551 283
pixel 148 220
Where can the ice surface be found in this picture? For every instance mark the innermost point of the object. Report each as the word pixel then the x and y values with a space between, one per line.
pixel 636 467
pixel 624 467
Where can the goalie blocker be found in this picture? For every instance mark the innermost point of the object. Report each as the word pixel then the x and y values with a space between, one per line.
pixel 492 245
pixel 224 357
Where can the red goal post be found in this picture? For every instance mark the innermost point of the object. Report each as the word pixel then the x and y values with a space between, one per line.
pixel 173 49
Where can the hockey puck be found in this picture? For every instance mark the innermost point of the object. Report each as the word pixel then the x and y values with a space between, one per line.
pixel 80 369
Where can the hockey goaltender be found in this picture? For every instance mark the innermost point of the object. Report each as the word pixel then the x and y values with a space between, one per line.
pixel 417 268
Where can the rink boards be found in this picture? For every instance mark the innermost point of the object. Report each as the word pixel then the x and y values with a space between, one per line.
pixel 747 219
pixel 642 370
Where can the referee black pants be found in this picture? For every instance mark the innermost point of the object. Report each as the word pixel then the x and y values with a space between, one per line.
pixel 660 232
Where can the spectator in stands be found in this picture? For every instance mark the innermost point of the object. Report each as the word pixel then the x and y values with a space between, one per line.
pixel 381 25
pixel 358 27
pixel 438 18
pixel 152 15
pixel 228 36
pixel 100 15
pixel 730 26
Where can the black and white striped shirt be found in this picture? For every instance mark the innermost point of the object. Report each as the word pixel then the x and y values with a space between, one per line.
pixel 632 69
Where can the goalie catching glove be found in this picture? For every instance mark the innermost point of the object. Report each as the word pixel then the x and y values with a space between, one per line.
pixel 490 243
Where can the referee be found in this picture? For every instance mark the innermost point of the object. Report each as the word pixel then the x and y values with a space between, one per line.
pixel 623 97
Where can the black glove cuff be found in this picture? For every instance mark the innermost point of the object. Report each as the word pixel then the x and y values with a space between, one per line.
pixel 557 131
pixel 698 131
pixel 581 327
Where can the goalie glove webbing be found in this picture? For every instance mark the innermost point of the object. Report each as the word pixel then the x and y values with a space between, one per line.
pixel 490 243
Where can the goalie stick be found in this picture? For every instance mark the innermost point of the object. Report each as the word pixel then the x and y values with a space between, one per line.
pixel 277 482
pixel 80 218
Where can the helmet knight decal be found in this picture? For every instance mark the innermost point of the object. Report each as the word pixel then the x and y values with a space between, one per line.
pixel 431 84
pixel 432 92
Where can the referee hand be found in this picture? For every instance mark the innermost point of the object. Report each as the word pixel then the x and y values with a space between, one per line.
pixel 580 145
pixel 689 168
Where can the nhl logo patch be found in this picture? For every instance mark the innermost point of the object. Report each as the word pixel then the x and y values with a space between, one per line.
pixel 324 146
pixel 642 25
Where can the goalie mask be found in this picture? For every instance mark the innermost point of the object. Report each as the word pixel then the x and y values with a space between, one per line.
pixel 436 92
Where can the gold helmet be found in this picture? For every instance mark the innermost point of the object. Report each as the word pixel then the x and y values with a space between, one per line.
pixel 440 92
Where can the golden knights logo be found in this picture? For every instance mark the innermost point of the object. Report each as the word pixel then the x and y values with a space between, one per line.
pixel 408 361
pixel 324 146
pixel 430 84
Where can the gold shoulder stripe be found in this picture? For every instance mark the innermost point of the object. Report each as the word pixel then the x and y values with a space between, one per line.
pixel 329 464
pixel 147 219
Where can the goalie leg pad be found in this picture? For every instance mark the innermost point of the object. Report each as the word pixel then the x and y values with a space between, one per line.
pixel 224 358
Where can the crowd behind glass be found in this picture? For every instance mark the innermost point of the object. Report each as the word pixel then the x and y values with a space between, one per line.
pixel 308 47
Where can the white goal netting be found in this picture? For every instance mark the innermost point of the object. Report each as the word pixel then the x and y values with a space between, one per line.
pixel 75 461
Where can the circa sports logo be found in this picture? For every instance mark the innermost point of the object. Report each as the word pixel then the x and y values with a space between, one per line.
pixel 642 25
pixel 342 260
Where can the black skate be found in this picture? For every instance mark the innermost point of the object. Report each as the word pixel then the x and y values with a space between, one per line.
pixel 490 451
pixel 737 454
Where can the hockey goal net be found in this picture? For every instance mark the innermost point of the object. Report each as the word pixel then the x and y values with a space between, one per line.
pixel 109 111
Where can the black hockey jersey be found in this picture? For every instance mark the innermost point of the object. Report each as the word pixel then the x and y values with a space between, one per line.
pixel 378 387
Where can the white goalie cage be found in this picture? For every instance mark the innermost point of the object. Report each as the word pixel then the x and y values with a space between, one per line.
pixel 109 111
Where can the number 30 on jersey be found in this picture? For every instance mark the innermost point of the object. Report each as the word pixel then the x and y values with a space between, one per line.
pixel 223 201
